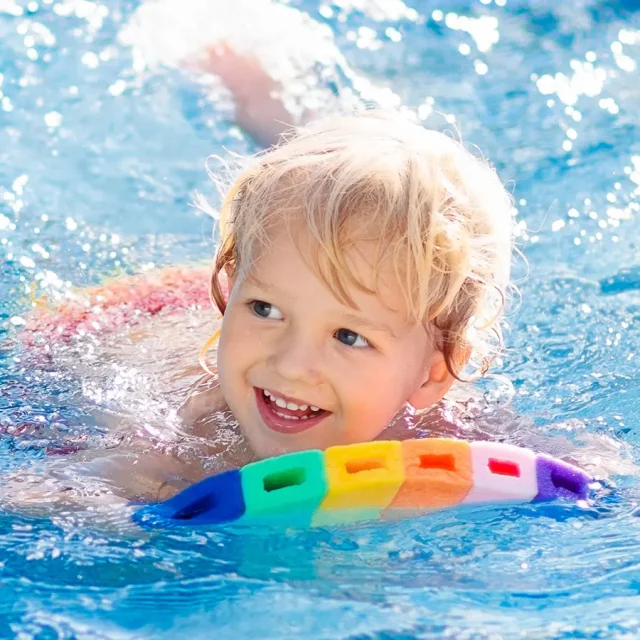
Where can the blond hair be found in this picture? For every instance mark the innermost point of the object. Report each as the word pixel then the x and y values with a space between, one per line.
pixel 440 214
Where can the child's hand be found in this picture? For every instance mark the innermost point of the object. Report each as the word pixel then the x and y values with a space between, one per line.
pixel 203 398
pixel 42 495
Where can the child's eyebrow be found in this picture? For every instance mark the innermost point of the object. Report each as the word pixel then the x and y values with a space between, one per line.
pixel 253 279
pixel 353 319
pixel 347 318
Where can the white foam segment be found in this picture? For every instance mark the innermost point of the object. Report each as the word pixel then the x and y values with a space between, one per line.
pixel 502 473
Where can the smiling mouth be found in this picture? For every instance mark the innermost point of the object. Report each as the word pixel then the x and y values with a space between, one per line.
pixel 292 418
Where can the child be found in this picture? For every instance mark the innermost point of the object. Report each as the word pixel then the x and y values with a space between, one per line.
pixel 367 261
pixel 362 267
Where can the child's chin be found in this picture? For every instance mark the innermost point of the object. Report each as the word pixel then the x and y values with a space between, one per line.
pixel 270 448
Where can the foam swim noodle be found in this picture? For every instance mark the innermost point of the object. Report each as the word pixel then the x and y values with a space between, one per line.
pixel 369 481
pixel 502 473
pixel 558 479
pixel 362 479
pixel 285 490
pixel 438 474
pixel 214 500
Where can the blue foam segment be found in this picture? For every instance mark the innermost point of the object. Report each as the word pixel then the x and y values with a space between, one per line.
pixel 214 500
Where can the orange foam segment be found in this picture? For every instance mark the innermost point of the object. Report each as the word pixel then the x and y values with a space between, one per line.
pixel 439 473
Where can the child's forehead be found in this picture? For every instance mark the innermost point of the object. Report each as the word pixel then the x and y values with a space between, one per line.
pixel 295 258
pixel 358 255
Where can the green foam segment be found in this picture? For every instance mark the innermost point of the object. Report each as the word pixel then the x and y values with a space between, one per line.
pixel 284 490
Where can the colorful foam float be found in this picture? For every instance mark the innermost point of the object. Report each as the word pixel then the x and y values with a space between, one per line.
pixel 369 481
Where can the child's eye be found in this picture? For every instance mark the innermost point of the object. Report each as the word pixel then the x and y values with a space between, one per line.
pixel 351 339
pixel 265 310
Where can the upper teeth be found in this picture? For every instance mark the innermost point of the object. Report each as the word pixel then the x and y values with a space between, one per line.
pixel 284 404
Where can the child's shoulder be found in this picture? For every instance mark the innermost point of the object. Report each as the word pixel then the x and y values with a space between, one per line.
pixel 135 338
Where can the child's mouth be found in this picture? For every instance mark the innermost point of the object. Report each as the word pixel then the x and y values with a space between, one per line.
pixel 291 418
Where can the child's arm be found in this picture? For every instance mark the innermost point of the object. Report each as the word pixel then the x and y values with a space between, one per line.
pixel 90 479
pixel 166 312
pixel 133 472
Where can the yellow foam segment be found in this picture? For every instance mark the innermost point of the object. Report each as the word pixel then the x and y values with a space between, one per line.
pixel 363 476
pixel 439 473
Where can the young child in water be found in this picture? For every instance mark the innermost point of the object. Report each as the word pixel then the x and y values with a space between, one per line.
pixel 362 267
pixel 362 264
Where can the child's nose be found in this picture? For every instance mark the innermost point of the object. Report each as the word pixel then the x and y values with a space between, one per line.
pixel 297 358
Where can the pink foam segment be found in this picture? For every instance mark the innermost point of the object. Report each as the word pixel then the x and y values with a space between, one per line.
pixel 502 473
pixel 558 479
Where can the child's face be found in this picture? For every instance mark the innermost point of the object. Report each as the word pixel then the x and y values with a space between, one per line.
pixel 287 340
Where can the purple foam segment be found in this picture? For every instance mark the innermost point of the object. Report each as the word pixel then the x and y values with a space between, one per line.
pixel 214 500
pixel 557 479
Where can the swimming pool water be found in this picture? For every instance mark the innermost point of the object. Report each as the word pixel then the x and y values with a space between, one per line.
pixel 98 165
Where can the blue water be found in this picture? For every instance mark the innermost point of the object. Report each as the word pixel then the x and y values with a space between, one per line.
pixel 97 180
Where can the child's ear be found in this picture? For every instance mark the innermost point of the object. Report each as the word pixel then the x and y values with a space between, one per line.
pixel 226 280
pixel 230 275
pixel 437 381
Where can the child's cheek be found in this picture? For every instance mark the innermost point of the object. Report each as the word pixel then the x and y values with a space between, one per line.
pixel 381 396
pixel 230 356
pixel 367 406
